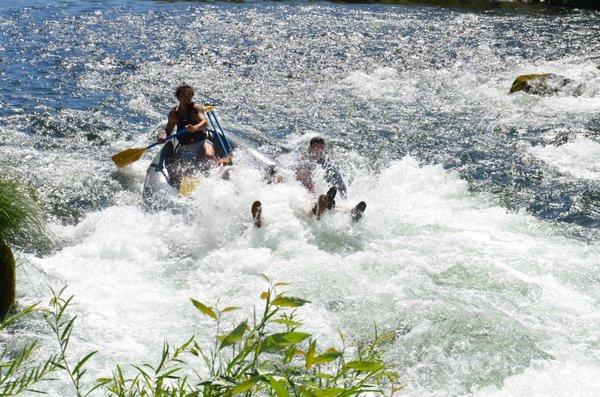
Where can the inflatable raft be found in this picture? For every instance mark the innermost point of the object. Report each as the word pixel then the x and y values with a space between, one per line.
pixel 163 186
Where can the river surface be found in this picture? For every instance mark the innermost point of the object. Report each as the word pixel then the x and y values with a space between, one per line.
pixel 479 245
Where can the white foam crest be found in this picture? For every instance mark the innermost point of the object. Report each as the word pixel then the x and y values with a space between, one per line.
pixel 462 84
pixel 565 378
pixel 383 83
pixel 578 158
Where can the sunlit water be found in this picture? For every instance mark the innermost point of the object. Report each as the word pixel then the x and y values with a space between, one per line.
pixel 479 243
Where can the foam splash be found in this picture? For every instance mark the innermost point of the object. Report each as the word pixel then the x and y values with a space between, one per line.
pixel 578 158
pixel 460 281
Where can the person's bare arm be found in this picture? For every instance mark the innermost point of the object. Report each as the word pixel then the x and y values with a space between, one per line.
pixel 171 122
pixel 304 175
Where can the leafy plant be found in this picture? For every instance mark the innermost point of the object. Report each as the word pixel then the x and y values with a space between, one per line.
pixel 62 327
pixel 18 373
pixel 269 355
pixel 164 379
pixel 20 220
pixel 20 214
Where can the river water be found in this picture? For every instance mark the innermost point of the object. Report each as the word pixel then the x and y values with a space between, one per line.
pixel 479 246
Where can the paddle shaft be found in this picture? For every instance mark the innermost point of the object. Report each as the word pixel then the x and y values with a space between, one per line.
pixel 219 133
pixel 177 135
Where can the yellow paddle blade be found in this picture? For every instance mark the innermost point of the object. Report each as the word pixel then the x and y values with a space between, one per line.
pixel 188 185
pixel 128 156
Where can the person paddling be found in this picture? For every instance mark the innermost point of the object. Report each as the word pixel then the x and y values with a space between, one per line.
pixel 191 117
pixel 195 145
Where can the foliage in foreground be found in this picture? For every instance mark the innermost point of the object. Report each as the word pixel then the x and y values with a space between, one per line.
pixel 20 214
pixel 20 221
pixel 20 371
pixel 269 355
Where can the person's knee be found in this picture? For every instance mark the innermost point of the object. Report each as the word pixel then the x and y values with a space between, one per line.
pixel 208 150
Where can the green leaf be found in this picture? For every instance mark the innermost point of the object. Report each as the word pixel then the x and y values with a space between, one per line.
pixel 266 278
pixel 289 354
pixel 230 309
pixel 278 387
pixel 264 295
pixel 235 335
pixel 204 309
pixel 247 385
pixel 288 301
pixel 367 366
pixel 310 354
pixel 328 356
pixel 324 376
pixel 288 322
pixel 282 340
pixel 81 363
pixel 332 391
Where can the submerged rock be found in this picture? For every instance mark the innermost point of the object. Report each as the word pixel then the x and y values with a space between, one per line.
pixel 540 83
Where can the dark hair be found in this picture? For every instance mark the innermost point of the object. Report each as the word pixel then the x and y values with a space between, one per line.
pixel 316 141
pixel 183 87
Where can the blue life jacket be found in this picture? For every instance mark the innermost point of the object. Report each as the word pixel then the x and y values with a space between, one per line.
pixel 333 176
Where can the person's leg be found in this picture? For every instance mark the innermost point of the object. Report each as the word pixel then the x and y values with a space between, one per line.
pixel 207 152
pixel 319 207
pixel 256 211
pixel 357 212
pixel 331 197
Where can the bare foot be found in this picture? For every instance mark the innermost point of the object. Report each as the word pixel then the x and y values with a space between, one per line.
pixel 357 212
pixel 331 197
pixel 256 211
pixel 320 206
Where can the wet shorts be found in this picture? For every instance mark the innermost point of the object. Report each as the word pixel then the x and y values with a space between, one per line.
pixel 192 151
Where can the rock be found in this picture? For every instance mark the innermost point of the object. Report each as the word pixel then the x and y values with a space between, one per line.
pixel 540 84
pixel 7 279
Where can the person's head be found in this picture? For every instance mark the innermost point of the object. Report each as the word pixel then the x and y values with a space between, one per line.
pixel 184 94
pixel 316 147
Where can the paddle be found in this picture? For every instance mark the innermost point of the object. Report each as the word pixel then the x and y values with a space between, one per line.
pixel 223 141
pixel 129 156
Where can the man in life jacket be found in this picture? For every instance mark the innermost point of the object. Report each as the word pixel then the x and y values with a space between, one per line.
pixel 195 146
pixel 315 156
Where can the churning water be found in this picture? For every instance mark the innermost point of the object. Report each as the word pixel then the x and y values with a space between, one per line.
pixel 479 243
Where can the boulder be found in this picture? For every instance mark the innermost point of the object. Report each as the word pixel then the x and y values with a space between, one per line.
pixel 540 84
